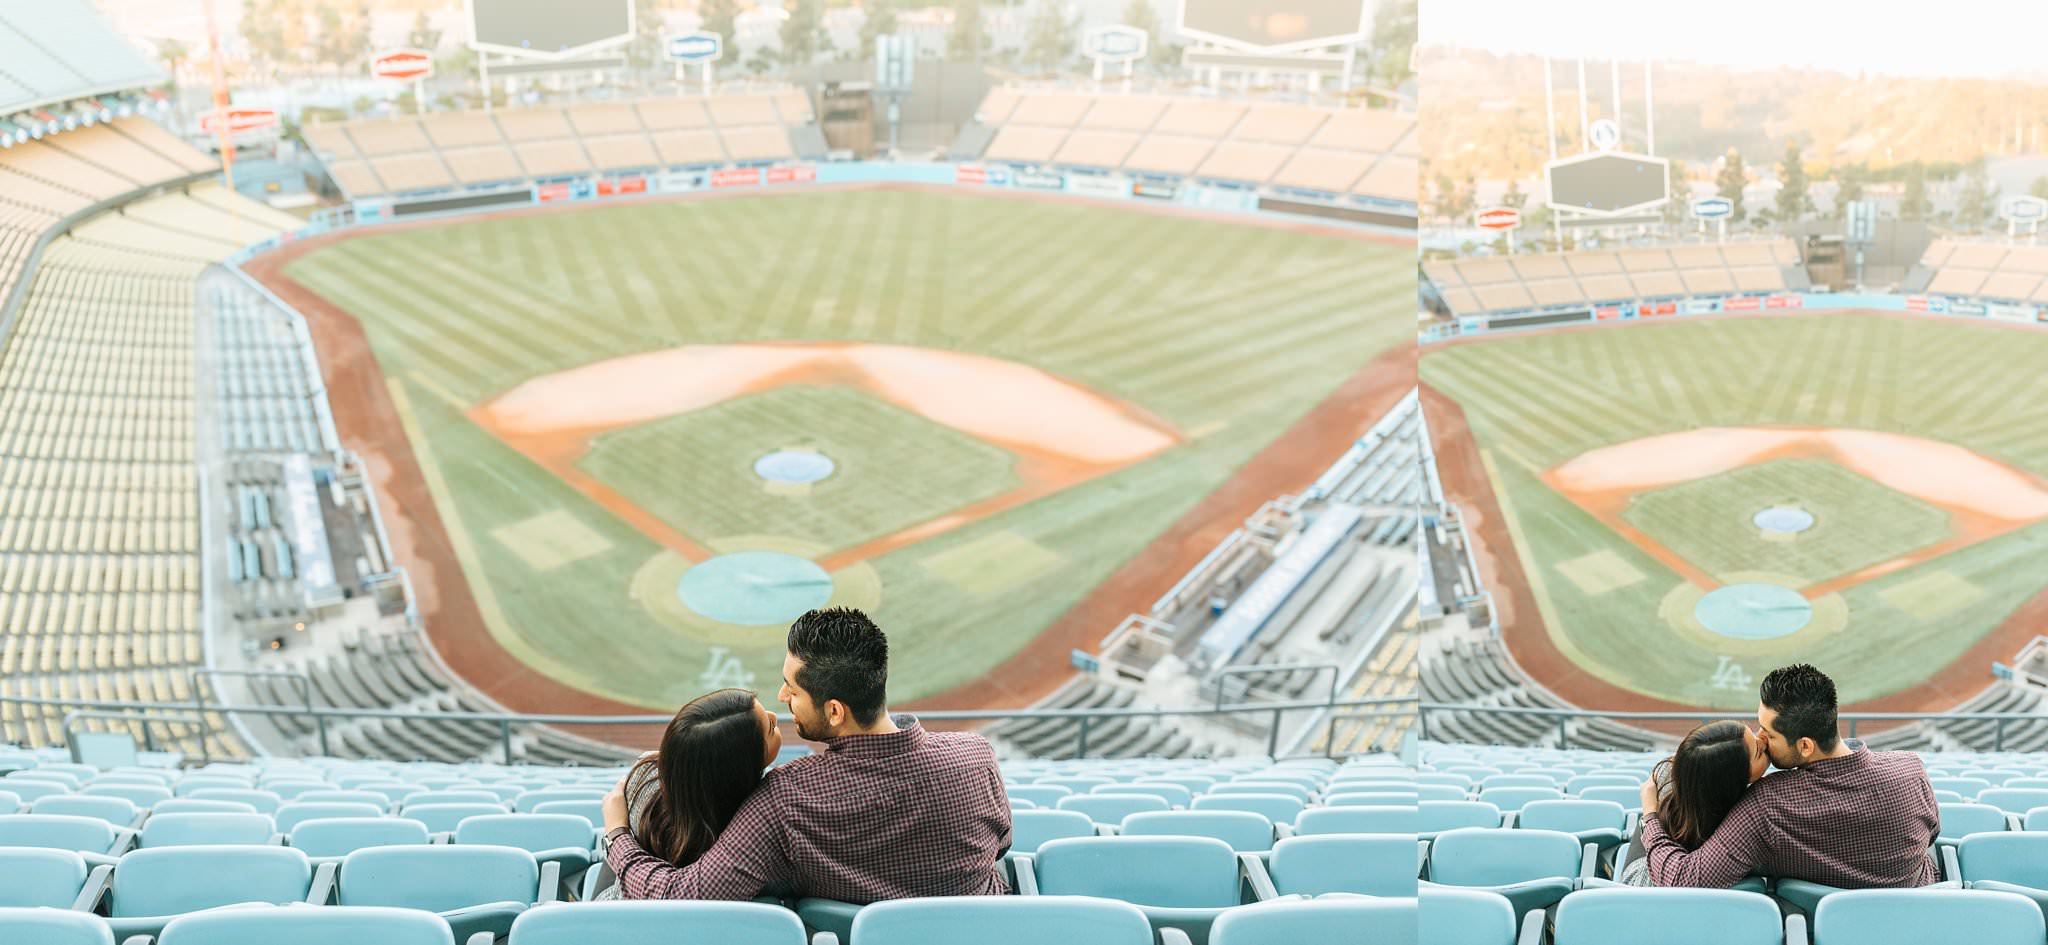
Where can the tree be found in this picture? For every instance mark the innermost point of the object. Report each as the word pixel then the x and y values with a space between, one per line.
pixel 1393 43
pixel 1913 206
pixel 1848 189
pixel 881 21
pixel 2039 187
pixel 274 32
pixel 1050 38
pixel 1730 180
pixel 719 16
pixel 173 54
pixel 963 42
pixel 344 35
pixel 802 32
pixel 1974 204
pixel 1513 198
pixel 1140 14
pixel 1793 201
pixel 423 34
pixel 645 51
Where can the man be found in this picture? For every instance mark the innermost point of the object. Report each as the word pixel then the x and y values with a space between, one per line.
pixel 886 811
pixel 1838 814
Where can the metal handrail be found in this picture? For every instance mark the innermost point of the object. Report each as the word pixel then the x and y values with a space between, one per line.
pixel 1315 669
pixel 1998 719
pixel 305 696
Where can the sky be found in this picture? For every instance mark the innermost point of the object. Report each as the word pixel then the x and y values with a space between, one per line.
pixel 1927 38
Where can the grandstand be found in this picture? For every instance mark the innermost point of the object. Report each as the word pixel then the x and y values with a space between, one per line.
pixel 1990 271
pixel 392 156
pixel 1489 285
pixel 1324 151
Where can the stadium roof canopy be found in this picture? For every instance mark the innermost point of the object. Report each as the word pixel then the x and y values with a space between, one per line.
pixel 54 51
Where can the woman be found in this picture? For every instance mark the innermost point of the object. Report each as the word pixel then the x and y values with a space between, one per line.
pixel 678 799
pixel 1697 786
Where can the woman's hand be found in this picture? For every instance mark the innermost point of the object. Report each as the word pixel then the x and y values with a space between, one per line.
pixel 615 806
pixel 1649 796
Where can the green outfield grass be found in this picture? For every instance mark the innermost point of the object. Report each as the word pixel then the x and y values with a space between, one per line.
pixel 1534 402
pixel 1228 332
pixel 1857 523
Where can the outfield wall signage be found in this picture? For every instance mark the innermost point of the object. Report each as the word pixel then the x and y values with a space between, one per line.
pixel 1784 301
pixel 619 186
pixel 1154 191
pixel 681 183
pixel 1038 181
pixel 1607 313
pixel 1747 303
pixel 1114 188
pixel 1916 303
pixel 970 174
pixel 1702 306
pixel 800 174
pixel 549 193
pixel 1966 308
pixel 736 177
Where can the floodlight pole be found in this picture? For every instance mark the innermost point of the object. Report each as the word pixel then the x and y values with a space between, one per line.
pixel 1549 109
pixel 1585 130
pixel 1614 80
pixel 483 71
pixel 1649 115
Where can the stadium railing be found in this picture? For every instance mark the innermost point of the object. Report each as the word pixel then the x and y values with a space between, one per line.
pixel 1999 720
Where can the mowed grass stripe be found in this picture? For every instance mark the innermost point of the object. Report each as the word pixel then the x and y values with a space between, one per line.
pixel 1050 302
pixel 417 346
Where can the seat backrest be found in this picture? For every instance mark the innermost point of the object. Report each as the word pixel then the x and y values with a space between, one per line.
pixel 57 832
pixel 525 802
pixel 1630 798
pixel 2014 800
pixel 173 880
pixel 291 790
pixel 192 783
pixel 592 811
pixel 1467 917
pixel 2026 783
pixel 1680 916
pixel 444 818
pixel 534 833
pixel 1447 778
pixel 1278 808
pixel 10 802
pixel 1327 920
pixel 1380 865
pixel 1961 820
pixel 1512 798
pixel 1584 781
pixel 1245 831
pixel 727 923
pixel 1378 799
pixel 1517 780
pixel 1001 920
pixel 1440 792
pixel 423 798
pixel 1289 788
pixel 264 801
pixel 1917 916
pixel 327 925
pixel 334 796
pixel 118 811
pixel 1029 829
pixel 1111 809
pixel 1044 795
pixel 1438 816
pixel 1181 872
pixel 141 795
pixel 54 927
pixel 206 829
pixel 1320 821
pixel 1079 784
pixel 437 878
pixel 2017 858
pixel 293 813
pixel 1476 856
pixel 1969 788
pixel 1173 794
pixel 32 877
pixel 1572 816
pixel 71 782
pixel 187 805
pixel 340 836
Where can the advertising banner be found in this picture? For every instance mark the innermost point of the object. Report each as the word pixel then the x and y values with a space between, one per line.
pixel 1937 305
pixel 1154 191
pixel 681 182
pixel 549 193
pixel 1916 303
pixel 1784 301
pixel 1606 313
pixel 1471 326
pixel 1702 306
pixel 1037 181
pixel 1965 308
pixel 1747 303
pixel 2010 313
pixel 1217 198
pixel 614 186
pixel 970 174
pixel 1086 185
pixel 736 177
pixel 800 174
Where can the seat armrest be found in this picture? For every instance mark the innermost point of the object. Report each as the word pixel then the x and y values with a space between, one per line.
pixel 1027 874
pixel 550 882
pixel 322 889
pixel 125 839
pixel 1283 831
pixel 1253 873
pixel 1531 932
pixel 1589 861
pixel 1173 936
pixel 1421 856
pixel 481 938
pixel 2014 823
pixel 824 938
pixel 1795 930
pixel 95 889
pixel 1508 818
pixel 1951 867
pixel 138 940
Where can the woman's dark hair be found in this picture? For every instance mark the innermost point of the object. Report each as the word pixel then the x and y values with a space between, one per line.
pixel 1699 784
pixel 708 763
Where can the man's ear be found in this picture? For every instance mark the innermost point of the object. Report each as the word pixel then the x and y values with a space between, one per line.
pixel 1808 747
pixel 835 712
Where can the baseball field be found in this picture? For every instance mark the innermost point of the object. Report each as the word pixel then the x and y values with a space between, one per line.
pixel 653 432
pixel 1671 510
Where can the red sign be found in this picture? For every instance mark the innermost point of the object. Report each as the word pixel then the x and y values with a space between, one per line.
pixel 1916 303
pixel 1783 301
pixel 403 64
pixel 970 174
pixel 736 177
pixel 1500 218
pixel 1745 304
pixel 801 174
pixel 239 120
pixel 552 192
pixel 1607 313
pixel 623 185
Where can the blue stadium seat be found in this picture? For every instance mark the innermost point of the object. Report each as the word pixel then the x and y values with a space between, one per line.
pixel 1434 817
pixel 727 923
pixel 1195 783
pixel 1602 823
pixel 1440 792
pixel 1532 868
pixel 1031 828
pixel 1000 920
pixel 70 782
pixel 293 813
pixel 333 838
pixel 1630 798
pixel 293 789
pixel 2015 801
pixel 476 888
pixel 1179 882
pixel 1078 784
pixel 1110 809
pixel 1517 780
pixel 1278 808
pixel 330 925
pixel 264 801
pixel 1919 916
pixel 141 795
pixel 53 927
pixel 1325 920
pixel 118 811
pixel 1017 804
pixel 391 791
pixel 2006 862
pixel 96 840
pixel 1961 820
pixel 151 887
pixel 1173 794
pixel 551 838
pixel 1512 798
pixel 1288 788
pixel 423 798
pixel 1445 778
pixel 1469 917
pixel 10 802
pixel 1969 788
pixel 186 805
pixel 526 802
pixel 1620 916
pixel 1044 795
pixel 342 796
pixel 592 811
pixel 1329 820
pixel 1579 784
pixel 193 783
pixel 1369 865
pixel 50 879
pixel 444 818
pixel 1246 832
pixel 179 830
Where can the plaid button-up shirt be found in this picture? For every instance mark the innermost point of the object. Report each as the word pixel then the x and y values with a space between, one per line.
pixel 873 817
pixel 1861 821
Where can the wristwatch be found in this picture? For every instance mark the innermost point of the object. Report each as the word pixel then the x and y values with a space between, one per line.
pixel 612 836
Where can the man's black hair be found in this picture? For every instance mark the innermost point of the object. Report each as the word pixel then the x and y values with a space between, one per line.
pixel 845 657
pixel 1804 699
